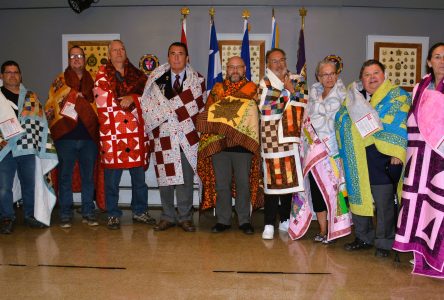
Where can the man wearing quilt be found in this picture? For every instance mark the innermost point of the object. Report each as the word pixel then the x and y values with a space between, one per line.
pixel 123 144
pixel 173 97
pixel 26 148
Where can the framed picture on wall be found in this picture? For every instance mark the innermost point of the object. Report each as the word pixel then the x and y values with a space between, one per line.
pixel 231 44
pixel 403 57
pixel 95 47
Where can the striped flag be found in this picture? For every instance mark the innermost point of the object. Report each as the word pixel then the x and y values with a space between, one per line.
pixel 274 33
pixel 245 50
pixel 301 66
pixel 183 36
pixel 214 65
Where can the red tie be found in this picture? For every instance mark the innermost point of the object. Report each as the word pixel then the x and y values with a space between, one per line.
pixel 176 85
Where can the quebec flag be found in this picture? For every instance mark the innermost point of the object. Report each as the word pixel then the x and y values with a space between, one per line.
pixel 214 65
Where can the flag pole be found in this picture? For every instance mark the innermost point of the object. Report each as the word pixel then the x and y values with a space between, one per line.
pixel 245 16
pixel 245 48
pixel 185 11
pixel 303 14
pixel 212 12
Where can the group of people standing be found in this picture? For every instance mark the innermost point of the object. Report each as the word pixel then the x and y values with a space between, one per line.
pixel 342 151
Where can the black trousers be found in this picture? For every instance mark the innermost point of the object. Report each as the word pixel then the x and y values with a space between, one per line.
pixel 316 196
pixel 272 207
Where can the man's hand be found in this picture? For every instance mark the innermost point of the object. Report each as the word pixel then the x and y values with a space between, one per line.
pixel 395 161
pixel 126 101
pixel 288 84
pixel 79 94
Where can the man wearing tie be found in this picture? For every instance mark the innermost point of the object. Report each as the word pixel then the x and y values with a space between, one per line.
pixel 173 97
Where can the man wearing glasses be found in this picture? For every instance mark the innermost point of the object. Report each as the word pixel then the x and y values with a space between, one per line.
pixel 230 145
pixel 26 148
pixel 282 99
pixel 72 117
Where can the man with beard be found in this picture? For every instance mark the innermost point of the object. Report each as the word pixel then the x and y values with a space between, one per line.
pixel 72 117
pixel 123 143
pixel 230 145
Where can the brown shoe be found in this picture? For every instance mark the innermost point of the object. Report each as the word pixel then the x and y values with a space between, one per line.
pixel 163 225
pixel 187 226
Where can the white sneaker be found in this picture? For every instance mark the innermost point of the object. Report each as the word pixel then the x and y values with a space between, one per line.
pixel 283 226
pixel 268 232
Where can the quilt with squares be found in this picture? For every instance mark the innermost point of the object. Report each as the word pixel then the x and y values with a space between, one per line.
pixel 280 127
pixel 420 226
pixel 123 142
pixel 37 141
pixel 170 124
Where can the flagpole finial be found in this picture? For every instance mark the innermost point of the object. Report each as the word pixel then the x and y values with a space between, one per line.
pixel 212 12
pixel 303 14
pixel 245 14
pixel 185 11
pixel 272 12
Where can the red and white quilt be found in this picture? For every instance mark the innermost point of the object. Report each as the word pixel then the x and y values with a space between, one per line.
pixel 171 124
pixel 123 142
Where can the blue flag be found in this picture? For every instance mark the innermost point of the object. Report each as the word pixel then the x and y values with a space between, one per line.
pixel 214 65
pixel 245 50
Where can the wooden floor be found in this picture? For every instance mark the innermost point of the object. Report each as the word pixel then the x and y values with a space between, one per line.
pixel 137 263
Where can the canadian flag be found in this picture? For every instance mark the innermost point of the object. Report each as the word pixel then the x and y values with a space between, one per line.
pixel 183 37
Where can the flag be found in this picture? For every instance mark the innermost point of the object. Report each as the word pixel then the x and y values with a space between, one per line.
pixel 274 33
pixel 214 65
pixel 301 66
pixel 183 36
pixel 245 50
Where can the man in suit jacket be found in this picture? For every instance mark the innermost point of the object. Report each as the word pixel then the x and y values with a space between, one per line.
pixel 173 97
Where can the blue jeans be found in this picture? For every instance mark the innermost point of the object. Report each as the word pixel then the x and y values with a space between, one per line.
pixel 139 191
pixel 68 151
pixel 25 167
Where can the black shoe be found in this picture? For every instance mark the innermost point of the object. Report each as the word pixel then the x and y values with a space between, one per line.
pixel 7 226
pixel 33 223
pixel 357 244
pixel 113 223
pixel 219 227
pixel 382 252
pixel 247 228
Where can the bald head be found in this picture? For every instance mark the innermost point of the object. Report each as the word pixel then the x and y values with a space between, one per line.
pixel 235 69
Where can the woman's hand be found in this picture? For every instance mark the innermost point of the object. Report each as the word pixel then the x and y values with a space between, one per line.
pixel 395 161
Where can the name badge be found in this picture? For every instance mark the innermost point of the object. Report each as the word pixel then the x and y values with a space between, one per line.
pixel 69 111
pixel 367 125
pixel 10 128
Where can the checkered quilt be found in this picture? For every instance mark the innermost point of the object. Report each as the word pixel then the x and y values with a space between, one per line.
pixel 171 123
pixel 281 115
pixel 37 141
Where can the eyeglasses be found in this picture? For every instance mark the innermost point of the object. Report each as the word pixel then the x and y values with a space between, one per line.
pixel 231 68
pixel 327 75
pixel 11 72
pixel 73 56
pixel 278 61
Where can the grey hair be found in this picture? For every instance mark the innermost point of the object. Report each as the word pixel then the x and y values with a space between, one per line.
pixel 109 44
pixel 325 62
